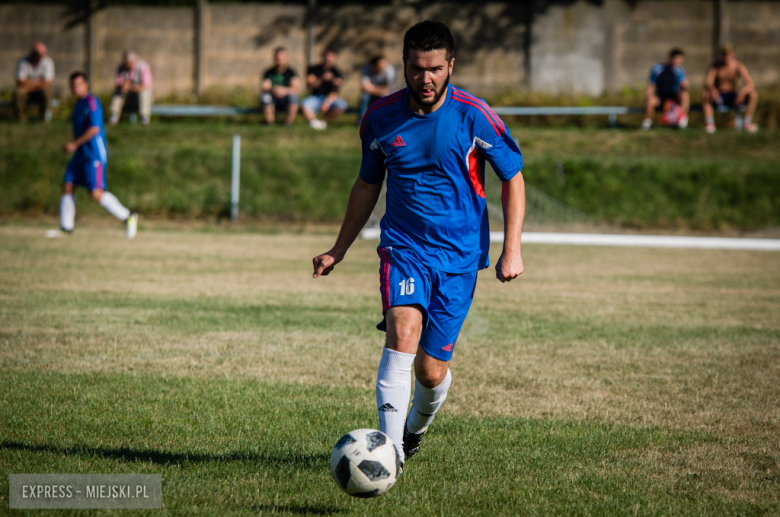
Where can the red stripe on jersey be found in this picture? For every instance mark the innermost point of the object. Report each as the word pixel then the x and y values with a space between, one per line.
pixel 485 105
pixel 484 109
pixel 464 101
pixel 475 171
pixel 384 101
pixel 385 280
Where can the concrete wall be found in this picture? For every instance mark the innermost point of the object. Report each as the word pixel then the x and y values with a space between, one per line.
pixel 162 36
pixel 573 46
pixel 22 25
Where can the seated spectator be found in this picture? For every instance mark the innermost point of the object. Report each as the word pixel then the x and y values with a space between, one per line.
pixel 133 82
pixel 376 81
pixel 720 88
pixel 324 81
pixel 280 89
pixel 667 85
pixel 34 75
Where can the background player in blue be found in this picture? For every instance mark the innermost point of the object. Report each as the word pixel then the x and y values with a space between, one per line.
pixel 431 139
pixel 87 166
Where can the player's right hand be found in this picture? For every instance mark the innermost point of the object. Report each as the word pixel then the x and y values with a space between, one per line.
pixel 324 264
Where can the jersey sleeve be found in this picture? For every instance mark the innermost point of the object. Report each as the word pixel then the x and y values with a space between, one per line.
pixel 372 165
pixel 653 74
pixel 95 112
pixel 498 146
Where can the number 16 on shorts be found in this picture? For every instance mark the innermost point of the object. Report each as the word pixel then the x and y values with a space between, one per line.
pixel 407 286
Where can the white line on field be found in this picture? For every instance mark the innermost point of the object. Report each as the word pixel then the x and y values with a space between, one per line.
pixel 643 241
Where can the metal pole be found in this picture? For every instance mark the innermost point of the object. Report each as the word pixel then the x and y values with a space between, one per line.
pixel 236 172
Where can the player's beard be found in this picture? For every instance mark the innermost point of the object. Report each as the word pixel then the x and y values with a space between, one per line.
pixel 415 93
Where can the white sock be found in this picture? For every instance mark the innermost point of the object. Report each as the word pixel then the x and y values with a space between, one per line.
pixel 393 391
pixel 426 402
pixel 747 121
pixel 114 207
pixel 67 212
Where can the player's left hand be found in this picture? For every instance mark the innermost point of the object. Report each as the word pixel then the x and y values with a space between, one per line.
pixel 324 264
pixel 509 266
pixel 70 147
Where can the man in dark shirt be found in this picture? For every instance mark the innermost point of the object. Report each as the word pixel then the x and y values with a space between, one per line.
pixel 280 89
pixel 324 81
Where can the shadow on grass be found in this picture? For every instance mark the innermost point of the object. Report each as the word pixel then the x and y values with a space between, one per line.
pixel 300 460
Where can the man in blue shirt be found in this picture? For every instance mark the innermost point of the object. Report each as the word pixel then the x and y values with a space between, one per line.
pixel 430 141
pixel 667 88
pixel 87 166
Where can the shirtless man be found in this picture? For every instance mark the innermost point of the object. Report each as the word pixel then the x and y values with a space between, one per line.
pixel 721 88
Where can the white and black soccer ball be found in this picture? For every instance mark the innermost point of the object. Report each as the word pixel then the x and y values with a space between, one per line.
pixel 365 463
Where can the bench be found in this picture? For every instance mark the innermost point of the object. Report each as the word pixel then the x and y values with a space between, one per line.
pixel 54 103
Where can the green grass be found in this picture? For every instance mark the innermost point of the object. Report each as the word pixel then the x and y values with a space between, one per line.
pixel 659 179
pixel 606 381
pixel 239 447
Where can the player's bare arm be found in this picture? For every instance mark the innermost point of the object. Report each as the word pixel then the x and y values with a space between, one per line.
pixel 510 264
pixel 749 86
pixel 362 200
pixel 709 85
pixel 88 135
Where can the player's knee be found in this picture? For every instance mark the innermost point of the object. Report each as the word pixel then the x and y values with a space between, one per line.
pixel 67 188
pixel 404 338
pixel 96 195
pixel 431 377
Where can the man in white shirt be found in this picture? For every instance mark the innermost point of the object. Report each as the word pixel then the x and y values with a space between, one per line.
pixel 34 75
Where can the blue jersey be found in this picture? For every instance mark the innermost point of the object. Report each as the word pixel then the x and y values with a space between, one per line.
pixel 435 167
pixel 670 84
pixel 87 113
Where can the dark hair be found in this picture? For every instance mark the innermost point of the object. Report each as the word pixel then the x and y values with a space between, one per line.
pixel 375 60
pixel 428 35
pixel 676 52
pixel 279 49
pixel 79 73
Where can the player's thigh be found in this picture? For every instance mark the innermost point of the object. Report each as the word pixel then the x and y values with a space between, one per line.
pixel 95 175
pixel 403 280
pixel 75 174
pixel 405 287
pixel 451 299
pixel 404 324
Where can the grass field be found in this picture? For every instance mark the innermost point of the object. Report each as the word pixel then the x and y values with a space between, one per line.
pixel 605 382
pixel 661 179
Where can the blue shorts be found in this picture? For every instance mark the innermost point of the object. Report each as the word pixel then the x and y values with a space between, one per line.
pixel 90 174
pixel 445 298
pixel 313 102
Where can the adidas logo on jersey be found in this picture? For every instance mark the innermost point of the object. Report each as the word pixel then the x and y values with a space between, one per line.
pixel 447 348
pixel 388 408
pixel 398 142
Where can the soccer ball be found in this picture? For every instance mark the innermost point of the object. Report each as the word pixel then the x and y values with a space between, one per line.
pixel 365 463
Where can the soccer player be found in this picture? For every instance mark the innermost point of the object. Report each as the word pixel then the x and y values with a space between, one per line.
pixel 430 140
pixel 87 166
